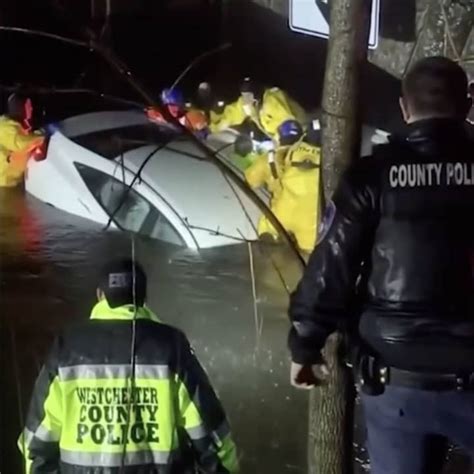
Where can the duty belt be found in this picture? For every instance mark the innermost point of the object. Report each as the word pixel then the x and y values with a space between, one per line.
pixel 429 381
pixel 373 376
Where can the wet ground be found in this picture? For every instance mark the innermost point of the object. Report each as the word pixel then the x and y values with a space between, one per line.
pixel 49 262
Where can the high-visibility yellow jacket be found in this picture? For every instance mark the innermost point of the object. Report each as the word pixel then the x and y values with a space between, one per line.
pixel 276 108
pixel 15 144
pixel 297 200
pixel 260 173
pixel 85 408
pixel 234 114
pixel 298 206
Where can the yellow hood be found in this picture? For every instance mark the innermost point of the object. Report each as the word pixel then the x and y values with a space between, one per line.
pixel 103 311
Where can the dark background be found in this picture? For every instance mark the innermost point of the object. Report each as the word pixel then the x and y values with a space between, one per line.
pixel 158 39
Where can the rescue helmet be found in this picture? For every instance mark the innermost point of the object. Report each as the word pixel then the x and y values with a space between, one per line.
pixel 243 145
pixel 123 282
pixel 250 87
pixel 172 97
pixel 289 132
pixel 204 90
pixel 247 85
pixel 19 107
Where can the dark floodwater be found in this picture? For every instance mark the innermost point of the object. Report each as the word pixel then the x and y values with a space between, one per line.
pixel 49 262
pixel 48 268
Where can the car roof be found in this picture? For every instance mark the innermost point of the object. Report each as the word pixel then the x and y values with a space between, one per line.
pixel 196 188
pixel 102 121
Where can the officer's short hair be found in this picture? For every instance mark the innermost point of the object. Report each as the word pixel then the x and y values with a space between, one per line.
pixel 117 280
pixel 436 86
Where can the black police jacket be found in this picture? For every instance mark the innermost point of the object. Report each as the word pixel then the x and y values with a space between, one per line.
pixel 396 251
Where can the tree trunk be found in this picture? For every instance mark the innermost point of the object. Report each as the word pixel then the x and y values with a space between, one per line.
pixel 346 56
pixel 330 440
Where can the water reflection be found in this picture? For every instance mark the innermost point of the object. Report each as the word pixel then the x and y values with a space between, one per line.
pixel 48 267
pixel 49 264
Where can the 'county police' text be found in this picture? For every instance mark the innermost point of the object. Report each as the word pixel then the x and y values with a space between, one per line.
pixel 414 175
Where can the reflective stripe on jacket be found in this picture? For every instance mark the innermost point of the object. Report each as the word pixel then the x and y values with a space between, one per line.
pixel 84 409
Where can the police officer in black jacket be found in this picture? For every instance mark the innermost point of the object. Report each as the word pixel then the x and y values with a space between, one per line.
pixel 396 250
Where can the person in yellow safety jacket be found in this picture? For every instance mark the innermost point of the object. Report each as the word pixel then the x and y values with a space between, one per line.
pixel 276 108
pixel 260 173
pixel 298 204
pixel 267 112
pixel 17 141
pixel 88 413
pixel 268 169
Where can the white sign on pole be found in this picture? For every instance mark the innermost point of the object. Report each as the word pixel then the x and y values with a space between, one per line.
pixel 312 18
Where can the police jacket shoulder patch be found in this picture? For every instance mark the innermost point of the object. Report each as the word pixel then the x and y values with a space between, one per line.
pixel 326 221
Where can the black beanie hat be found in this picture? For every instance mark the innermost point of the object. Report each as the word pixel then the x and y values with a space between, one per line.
pixel 116 281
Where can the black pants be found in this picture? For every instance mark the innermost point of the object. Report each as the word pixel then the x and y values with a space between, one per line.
pixel 402 421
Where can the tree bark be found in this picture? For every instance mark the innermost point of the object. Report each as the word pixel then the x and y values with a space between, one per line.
pixel 346 55
pixel 330 416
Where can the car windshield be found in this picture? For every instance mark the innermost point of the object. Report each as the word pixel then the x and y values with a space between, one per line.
pixel 114 142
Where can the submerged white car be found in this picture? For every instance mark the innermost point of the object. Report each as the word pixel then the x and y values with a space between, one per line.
pixel 177 194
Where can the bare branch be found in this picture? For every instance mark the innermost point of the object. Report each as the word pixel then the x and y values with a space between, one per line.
pixel 448 33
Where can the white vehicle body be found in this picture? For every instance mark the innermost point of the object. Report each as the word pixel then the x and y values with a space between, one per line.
pixel 180 197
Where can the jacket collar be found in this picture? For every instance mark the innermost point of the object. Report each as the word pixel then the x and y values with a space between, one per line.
pixel 432 136
pixel 435 128
pixel 103 311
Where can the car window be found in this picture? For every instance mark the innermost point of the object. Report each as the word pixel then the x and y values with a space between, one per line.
pixel 135 213
pixel 114 142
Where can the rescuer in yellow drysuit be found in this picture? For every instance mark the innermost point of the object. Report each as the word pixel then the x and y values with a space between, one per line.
pixel 16 140
pixel 296 202
pixel 267 112
pixel 268 169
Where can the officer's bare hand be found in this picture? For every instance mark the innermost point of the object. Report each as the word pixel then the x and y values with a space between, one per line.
pixel 306 377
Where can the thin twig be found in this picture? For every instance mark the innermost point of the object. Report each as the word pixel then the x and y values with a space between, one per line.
pixel 222 47
pixel 424 19
pixel 217 232
pixel 254 295
pixel 448 32
pixel 44 34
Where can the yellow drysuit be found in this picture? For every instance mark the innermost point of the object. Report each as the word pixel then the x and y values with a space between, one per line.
pixel 15 145
pixel 276 108
pixel 296 200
